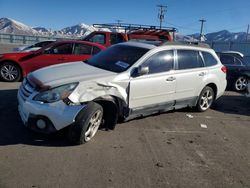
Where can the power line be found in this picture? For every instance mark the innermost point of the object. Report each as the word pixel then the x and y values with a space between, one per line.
pixel 161 14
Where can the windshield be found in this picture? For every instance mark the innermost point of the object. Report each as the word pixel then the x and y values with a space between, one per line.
pixel 117 58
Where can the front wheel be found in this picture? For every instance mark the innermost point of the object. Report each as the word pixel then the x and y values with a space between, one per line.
pixel 87 125
pixel 10 72
pixel 240 84
pixel 206 99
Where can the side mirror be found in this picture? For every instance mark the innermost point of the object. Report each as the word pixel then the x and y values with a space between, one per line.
pixel 139 71
pixel 143 70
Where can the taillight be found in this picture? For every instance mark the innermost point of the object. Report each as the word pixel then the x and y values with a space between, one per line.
pixel 224 69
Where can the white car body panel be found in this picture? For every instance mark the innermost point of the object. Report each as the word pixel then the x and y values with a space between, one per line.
pixel 136 92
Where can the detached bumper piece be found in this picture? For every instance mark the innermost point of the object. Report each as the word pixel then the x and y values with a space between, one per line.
pixel 40 124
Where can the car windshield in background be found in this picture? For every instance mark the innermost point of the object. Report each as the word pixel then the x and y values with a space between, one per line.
pixel 246 59
pixel 117 58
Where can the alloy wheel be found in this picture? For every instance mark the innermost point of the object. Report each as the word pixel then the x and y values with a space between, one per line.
pixel 94 124
pixel 9 72
pixel 206 100
pixel 241 84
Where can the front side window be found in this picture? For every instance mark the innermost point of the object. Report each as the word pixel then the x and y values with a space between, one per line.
pixel 60 49
pixel 160 62
pixel 209 59
pixel 82 49
pixel 117 58
pixel 189 59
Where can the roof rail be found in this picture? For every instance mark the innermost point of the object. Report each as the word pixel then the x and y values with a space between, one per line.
pixel 199 44
pixel 132 27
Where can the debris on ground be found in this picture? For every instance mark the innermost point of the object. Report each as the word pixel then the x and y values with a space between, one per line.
pixel 191 141
pixel 203 126
pixel 159 165
pixel 190 116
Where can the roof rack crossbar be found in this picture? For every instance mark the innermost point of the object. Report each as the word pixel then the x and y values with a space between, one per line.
pixel 130 27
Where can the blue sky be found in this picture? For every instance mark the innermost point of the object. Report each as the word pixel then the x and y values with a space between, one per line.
pixel 183 14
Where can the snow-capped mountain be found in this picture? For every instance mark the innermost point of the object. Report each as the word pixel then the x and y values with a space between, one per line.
pixel 8 25
pixel 222 36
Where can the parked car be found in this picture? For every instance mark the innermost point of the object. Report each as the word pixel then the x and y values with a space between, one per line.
pixel 135 32
pixel 15 66
pixel 238 72
pixel 125 81
pixel 33 47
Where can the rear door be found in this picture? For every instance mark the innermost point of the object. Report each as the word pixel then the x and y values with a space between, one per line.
pixel 190 75
pixel 233 64
pixel 156 88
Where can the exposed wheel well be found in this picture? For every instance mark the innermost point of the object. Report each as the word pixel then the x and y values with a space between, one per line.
pixel 112 110
pixel 214 87
pixel 15 63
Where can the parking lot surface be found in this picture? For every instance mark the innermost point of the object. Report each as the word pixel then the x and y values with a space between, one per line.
pixel 175 149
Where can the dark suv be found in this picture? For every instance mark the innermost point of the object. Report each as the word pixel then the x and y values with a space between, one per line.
pixel 238 74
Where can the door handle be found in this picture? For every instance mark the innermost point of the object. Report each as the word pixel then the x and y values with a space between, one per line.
pixel 202 74
pixel 170 79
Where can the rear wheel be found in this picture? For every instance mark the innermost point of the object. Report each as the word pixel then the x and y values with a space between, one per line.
pixel 206 99
pixel 241 83
pixel 87 125
pixel 10 72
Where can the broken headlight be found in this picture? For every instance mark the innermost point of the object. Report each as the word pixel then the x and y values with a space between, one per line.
pixel 56 94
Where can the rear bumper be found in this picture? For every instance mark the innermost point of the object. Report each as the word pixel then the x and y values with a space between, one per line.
pixel 55 115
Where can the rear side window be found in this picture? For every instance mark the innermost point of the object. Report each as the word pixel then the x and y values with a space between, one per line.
pixel 82 49
pixel 189 59
pixel 209 59
pixel 160 62
pixel 95 50
pixel 230 60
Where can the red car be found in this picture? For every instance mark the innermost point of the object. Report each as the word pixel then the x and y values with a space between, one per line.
pixel 16 65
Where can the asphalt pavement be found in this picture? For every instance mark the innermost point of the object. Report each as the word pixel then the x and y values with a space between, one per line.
pixel 176 149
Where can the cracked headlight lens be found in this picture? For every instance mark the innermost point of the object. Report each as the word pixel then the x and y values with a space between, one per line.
pixel 56 94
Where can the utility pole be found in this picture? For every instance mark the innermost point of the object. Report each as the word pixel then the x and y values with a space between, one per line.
pixel 118 21
pixel 161 16
pixel 202 24
pixel 247 32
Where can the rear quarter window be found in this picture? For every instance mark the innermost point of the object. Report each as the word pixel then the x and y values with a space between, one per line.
pixel 209 59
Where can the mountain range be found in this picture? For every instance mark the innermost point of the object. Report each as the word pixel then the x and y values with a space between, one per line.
pixel 12 26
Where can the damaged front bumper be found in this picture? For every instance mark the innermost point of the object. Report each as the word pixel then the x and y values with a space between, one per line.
pixel 46 117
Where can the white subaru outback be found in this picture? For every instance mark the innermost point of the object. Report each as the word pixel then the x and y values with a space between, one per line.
pixel 126 81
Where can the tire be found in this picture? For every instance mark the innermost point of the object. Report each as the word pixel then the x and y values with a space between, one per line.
pixel 10 72
pixel 240 83
pixel 87 123
pixel 205 100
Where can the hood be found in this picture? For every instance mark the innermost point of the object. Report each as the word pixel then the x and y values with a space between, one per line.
pixel 16 54
pixel 68 73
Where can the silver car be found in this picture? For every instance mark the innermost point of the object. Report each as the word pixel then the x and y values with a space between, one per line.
pixel 125 81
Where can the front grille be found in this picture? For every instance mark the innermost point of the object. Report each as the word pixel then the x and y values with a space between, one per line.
pixel 26 89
